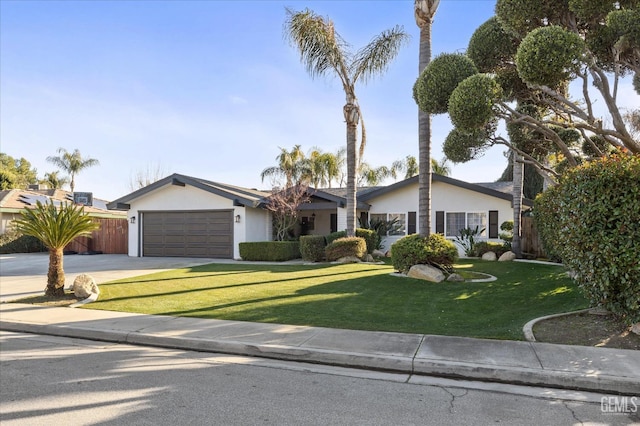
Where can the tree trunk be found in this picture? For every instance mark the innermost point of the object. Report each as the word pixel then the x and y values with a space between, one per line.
pixel 55 275
pixel 518 182
pixel 351 115
pixel 424 140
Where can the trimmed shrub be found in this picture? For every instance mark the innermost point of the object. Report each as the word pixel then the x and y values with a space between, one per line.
pixel 312 248
pixel 14 242
pixel 415 249
pixel 370 237
pixel 482 247
pixel 347 246
pixel 272 251
pixel 591 220
pixel 334 236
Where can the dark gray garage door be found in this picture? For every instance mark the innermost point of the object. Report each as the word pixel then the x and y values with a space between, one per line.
pixel 206 233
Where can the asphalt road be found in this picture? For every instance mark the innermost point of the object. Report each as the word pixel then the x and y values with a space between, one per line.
pixel 50 380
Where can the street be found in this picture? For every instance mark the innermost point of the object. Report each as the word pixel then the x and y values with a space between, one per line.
pixel 49 380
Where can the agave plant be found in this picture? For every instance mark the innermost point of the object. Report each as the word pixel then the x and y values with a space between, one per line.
pixel 56 227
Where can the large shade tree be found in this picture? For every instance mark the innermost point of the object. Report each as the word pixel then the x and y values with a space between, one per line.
pixel 72 163
pixel 424 11
pixel 56 227
pixel 323 51
pixel 16 173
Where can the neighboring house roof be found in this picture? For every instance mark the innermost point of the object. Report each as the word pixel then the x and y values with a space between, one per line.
pixel 504 191
pixel 240 196
pixel 15 200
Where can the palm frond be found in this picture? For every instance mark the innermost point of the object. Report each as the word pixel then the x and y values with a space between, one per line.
pixel 321 48
pixel 375 57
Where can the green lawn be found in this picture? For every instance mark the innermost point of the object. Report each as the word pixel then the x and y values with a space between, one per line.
pixel 353 296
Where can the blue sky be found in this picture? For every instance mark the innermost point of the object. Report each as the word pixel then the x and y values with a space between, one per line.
pixel 207 88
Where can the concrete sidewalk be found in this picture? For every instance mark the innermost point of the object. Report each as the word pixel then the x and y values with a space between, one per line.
pixel 529 363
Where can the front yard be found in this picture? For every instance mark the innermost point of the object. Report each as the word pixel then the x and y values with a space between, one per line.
pixel 353 296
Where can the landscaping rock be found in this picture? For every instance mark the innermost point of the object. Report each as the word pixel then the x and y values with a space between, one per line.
pixel 378 253
pixel 635 328
pixel 507 257
pixel 455 278
pixel 427 273
pixel 369 258
pixel 84 286
pixel 491 256
pixel 348 259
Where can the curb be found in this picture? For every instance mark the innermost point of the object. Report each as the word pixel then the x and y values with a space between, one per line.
pixel 413 365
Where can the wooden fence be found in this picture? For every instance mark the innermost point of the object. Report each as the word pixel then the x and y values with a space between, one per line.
pixel 530 240
pixel 111 238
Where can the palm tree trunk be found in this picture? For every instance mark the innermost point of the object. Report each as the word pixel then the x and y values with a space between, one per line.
pixel 424 143
pixel 55 275
pixel 518 182
pixel 351 115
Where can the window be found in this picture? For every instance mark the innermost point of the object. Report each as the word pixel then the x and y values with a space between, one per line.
pixel 400 218
pixel 400 228
pixel 455 221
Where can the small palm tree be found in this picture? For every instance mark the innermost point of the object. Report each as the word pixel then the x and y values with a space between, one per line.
pixel 409 166
pixel 54 180
pixel 55 227
pixel 323 51
pixel 291 166
pixel 72 163
pixel 440 167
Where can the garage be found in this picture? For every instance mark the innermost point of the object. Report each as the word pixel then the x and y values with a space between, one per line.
pixel 201 233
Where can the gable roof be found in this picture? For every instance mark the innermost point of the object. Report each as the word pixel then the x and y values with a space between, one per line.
pixel 483 188
pixel 240 196
pixel 15 200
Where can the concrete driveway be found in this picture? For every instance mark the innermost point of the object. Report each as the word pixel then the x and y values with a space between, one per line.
pixel 25 274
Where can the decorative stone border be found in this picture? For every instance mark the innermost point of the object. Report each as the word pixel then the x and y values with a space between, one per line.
pixel 92 298
pixel 527 329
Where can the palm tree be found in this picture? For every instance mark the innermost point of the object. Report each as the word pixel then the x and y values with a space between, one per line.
pixel 409 166
pixel 322 51
pixel 54 181
pixel 424 11
pixel 373 176
pixel 440 167
pixel 72 163
pixel 291 166
pixel 55 227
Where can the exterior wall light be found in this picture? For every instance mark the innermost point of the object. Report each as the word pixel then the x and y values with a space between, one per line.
pixel 132 220
pixel 237 218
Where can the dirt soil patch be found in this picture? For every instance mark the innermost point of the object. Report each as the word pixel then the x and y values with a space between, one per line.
pixel 587 329
pixel 68 299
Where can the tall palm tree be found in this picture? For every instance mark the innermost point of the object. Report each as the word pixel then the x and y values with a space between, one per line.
pixel 55 227
pixel 424 11
pixel 72 163
pixel 323 167
pixel 322 51
pixel 291 166
pixel 409 165
pixel 440 167
pixel 54 180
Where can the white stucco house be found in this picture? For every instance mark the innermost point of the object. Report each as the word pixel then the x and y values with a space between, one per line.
pixel 190 217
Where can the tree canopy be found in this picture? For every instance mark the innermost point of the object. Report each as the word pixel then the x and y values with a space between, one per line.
pixel 16 173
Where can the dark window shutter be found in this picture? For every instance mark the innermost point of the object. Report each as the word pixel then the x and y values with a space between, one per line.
pixel 439 222
pixel 364 219
pixel 411 225
pixel 334 222
pixel 493 224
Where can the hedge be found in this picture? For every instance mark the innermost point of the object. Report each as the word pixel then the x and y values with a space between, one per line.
pixel 312 248
pixel 272 251
pixel 344 247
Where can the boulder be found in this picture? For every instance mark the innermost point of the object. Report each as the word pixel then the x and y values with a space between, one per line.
pixel 378 253
pixel 635 328
pixel 507 257
pixel 369 258
pixel 491 256
pixel 84 286
pixel 427 273
pixel 455 278
pixel 348 259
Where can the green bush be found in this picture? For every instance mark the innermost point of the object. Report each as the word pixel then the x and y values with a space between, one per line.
pixel 482 247
pixel 312 248
pixel 347 246
pixel 14 242
pixel 415 249
pixel 370 236
pixel 272 251
pixel 591 220
pixel 334 236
